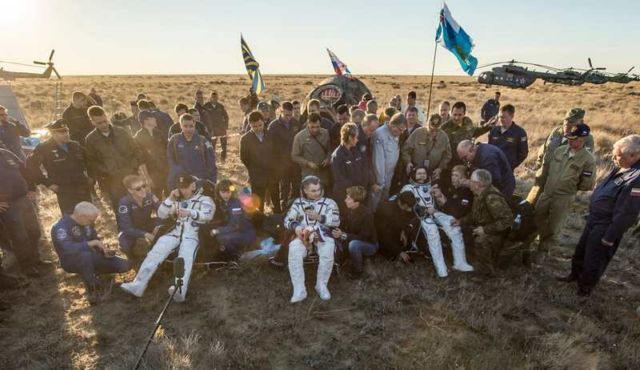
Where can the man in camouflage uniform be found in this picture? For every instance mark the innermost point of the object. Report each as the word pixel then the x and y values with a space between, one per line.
pixel 427 147
pixel 555 139
pixel 460 127
pixel 490 219
pixel 572 168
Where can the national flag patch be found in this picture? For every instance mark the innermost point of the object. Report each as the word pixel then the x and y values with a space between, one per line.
pixel 635 192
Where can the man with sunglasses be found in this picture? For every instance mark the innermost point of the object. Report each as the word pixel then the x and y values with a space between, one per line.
pixel 63 161
pixel 134 216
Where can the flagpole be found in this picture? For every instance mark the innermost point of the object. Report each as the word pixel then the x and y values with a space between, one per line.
pixel 433 68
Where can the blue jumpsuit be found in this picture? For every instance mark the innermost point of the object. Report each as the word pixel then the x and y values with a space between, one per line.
pixel 195 157
pixel 70 241
pixel 134 221
pixel 614 207
pixel 237 231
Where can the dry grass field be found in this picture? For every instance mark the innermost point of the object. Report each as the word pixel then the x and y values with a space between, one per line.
pixel 396 317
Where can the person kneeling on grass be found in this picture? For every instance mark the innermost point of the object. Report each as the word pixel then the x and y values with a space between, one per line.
pixel 81 251
pixel 235 231
pixel 186 209
pixel 431 219
pixel 358 232
pixel 310 217
pixel 394 221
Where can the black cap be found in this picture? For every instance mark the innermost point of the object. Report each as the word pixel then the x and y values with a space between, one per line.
pixel 185 180
pixel 57 125
pixel 581 130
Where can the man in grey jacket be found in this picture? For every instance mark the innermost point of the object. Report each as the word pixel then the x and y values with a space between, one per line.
pixel 386 151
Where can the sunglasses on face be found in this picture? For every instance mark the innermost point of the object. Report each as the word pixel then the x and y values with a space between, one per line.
pixel 138 188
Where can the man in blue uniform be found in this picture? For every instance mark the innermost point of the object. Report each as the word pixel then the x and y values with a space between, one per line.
pixel 81 251
pixel 135 210
pixel 18 215
pixel 614 207
pixel 492 159
pixel 190 153
pixel 509 137
pixel 10 132
pixel 65 171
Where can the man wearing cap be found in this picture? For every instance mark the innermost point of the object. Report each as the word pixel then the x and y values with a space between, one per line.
pixel 571 169
pixel 153 148
pixel 614 207
pixel 10 132
pixel 189 152
pixel 77 118
pixel 555 139
pixel 65 171
pixel 509 137
pixel 427 147
pixel 219 120
pixel 112 154
pixel 282 132
pixel 186 209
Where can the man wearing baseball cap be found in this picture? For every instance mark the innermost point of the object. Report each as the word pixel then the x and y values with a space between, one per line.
pixel 571 169
pixel 556 138
pixel 65 172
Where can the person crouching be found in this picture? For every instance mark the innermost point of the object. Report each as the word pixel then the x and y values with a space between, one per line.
pixel 188 208
pixel 310 217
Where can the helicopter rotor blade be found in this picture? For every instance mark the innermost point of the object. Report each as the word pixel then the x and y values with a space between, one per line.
pixel 19 64
pixel 39 63
pixel 590 65
pixel 51 55
pixel 630 69
pixel 57 74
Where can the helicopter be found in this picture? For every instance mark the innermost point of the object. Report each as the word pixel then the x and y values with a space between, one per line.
pixel 516 74
pixel 10 76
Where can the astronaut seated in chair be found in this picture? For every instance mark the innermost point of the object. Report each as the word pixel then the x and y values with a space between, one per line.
pixel 186 209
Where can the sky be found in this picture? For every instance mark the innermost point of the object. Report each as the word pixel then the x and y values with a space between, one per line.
pixel 98 37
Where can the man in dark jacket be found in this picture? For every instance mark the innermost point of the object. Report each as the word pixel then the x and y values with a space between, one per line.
pixel 111 155
pixel 163 119
pixel 256 148
pixel 17 213
pixel 342 117
pixel 490 108
pixel 357 233
pixel 10 132
pixel 492 159
pixel 509 137
pixel 65 171
pixel 219 120
pixel 181 109
pixel 282 132
pixel 393 225
pixel 349 166
pixel 77 118
pixel 153 149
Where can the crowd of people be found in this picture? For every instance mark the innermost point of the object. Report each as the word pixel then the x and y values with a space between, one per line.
pixel 343 182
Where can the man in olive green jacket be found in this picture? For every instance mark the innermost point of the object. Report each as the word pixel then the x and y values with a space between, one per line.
pixel 571 169
pixel 490 220
pixel 428 147
pixel 460 127
pixel 311 151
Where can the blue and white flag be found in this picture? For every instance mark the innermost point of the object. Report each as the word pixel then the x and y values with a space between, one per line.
pixel 452 37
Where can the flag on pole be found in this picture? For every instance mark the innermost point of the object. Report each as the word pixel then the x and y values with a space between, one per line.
pixel 253 68
pixel 453 38
pixel 340 68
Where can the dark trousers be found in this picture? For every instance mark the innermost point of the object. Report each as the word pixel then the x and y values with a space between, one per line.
pixel 263 191
pixel 591 257
pixel 235 242
pixel 89 263
pixel 287 188
pixel 22 230
pixel 70 195
pixel 223 144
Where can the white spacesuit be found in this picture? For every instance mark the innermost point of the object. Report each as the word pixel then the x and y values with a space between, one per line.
pixel 184 235
pixel 430 224
pixel 316 233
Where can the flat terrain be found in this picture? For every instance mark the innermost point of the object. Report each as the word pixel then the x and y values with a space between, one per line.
pixel 397 316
